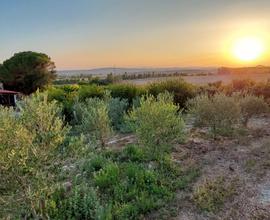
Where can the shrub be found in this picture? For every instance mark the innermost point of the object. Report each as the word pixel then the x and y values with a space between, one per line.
pixel 181 90
pixel 81 203
pixel 107 177
pixel 250 106
pixel 66 96
pixel 221 113
pixel 56 93
pixel 28 145
pixel 43 119
pixel 262 89
pixel 16 150
pixel 117 109
pixel 212 194
pixel 134 153
pixel 93 120
pixel 157 123
pixel 126 91
pixel 90 91
pixel 93 164
pixel 71 88
pixel 242 85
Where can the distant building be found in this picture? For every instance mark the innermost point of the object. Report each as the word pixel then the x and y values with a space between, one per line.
pixel 244 70
pixel 8 98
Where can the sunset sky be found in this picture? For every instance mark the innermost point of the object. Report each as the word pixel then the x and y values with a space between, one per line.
pixel 80 34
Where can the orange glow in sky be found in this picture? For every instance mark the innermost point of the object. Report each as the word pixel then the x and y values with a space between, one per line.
pixel 154 33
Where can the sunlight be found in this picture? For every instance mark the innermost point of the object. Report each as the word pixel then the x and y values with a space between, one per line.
pixel 248 49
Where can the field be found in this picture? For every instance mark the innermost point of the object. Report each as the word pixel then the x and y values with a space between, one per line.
pixel 205 79
pixel 167 150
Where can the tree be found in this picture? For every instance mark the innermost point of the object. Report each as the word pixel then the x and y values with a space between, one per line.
pixel 157 123
pixel 26 72
pixel 220 113
pixel 92 118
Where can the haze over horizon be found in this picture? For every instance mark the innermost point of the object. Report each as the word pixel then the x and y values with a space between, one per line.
pixel 87 34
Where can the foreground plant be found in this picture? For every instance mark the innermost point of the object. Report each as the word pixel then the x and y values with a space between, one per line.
pixel 92 119
pixel 157 122
pixel 29 141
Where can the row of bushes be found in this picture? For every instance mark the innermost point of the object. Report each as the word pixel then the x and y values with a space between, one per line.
pixel 182 91
pixel 68 94
pixel 224 114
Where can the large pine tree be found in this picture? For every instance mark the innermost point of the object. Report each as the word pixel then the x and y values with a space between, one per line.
pixel 26 72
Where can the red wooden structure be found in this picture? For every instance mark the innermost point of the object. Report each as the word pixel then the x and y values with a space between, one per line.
pixel 8 98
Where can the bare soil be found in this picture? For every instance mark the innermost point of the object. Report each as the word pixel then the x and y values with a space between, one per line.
pixel 245 158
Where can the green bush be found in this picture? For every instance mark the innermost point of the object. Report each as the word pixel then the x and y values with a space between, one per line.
pixel 181 90
pixel 157 122
pixel 44 120
pixel 93 164
pixel 56 93
pixel 28 147
pixel 220 113
pixel 90 91
pixel 81 202
pixel 92 119
pixel 107 177
pixel 126 91
pixel 16 150
pixel 133 153
pixel 65 95
pixel 251 106
pixel 117 109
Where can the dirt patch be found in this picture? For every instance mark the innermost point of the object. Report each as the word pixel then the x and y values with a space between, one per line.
pixel 245 158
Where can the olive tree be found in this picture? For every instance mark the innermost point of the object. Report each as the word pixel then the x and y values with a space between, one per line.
pixel 28 159
pixel 220 113
pixel 92 119
pixel 157 122
pixel 251 106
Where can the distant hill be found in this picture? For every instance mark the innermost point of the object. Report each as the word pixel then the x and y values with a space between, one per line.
pixel 117 71
pixel 244 70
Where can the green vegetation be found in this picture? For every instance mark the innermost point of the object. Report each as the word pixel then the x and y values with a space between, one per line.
pixel 157 123
pixel 57 160
pixel 181 90
pixel 28 145
pixel 92 119
pixel 212 194
pixel 26 72
pixel 251 106
pixel 220 113
pixel 223 113
pixel 66 176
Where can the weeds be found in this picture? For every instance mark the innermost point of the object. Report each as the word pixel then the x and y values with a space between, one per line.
pixel 212 194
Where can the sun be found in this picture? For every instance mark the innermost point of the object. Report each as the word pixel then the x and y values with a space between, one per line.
pixel 248 48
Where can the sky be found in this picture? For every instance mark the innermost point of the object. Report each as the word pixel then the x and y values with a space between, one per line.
pixel 84 34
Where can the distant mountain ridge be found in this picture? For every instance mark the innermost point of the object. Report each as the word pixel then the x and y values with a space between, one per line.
pixel 107 70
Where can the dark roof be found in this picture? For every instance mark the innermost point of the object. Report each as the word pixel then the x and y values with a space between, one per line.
pixel 8 92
